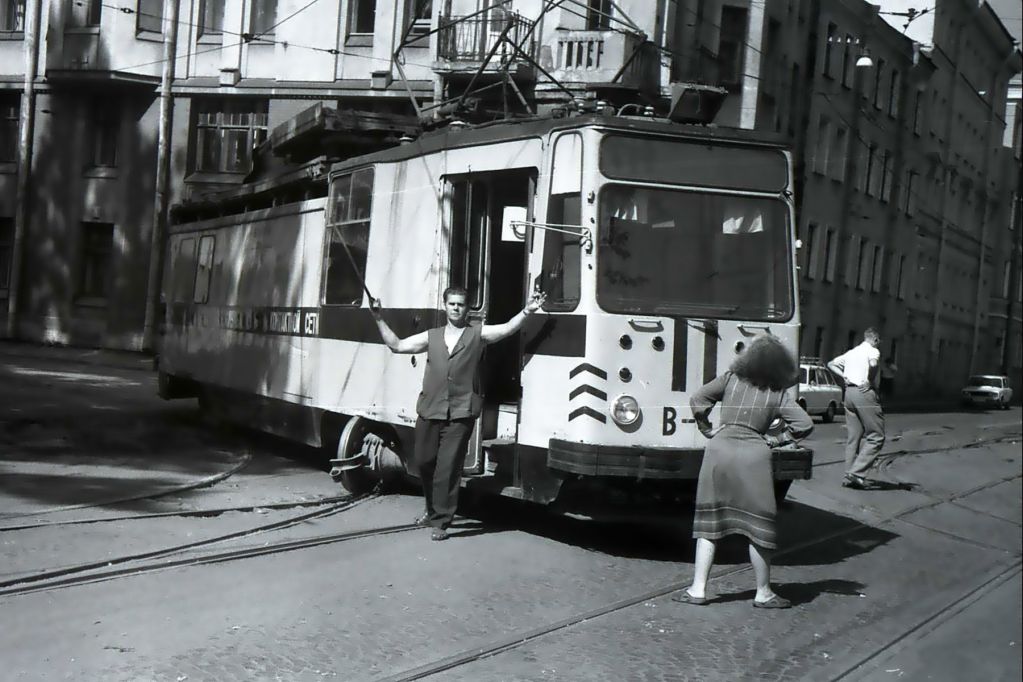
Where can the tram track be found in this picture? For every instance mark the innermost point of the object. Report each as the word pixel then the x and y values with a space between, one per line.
pixel 521 638
pixel 92 571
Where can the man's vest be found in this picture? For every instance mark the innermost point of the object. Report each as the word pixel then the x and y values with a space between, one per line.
pixel 451 385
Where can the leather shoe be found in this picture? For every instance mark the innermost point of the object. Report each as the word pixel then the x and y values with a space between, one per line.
pixel 422 519
pixel 439 534
pixel 859 483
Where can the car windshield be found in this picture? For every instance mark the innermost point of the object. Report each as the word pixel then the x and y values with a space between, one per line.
pixel 806 375
pixel 985 381
pixel 676 252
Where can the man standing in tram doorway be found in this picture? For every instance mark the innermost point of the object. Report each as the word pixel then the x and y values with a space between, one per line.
pixel 864 420
pixel 451 398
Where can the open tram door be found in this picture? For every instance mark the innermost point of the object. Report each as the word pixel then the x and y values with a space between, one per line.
pixel 489 260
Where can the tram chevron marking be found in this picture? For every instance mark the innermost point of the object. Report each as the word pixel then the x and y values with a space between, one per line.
pixel 586 388
pixel 587 367
pixel 587 412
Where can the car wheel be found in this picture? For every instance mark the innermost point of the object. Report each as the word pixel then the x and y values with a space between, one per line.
pixel 829 414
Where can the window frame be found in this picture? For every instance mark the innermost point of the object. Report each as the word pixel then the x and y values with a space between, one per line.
pixel 349 221
pixel 93 257
pixel 10 13
pixel 204 16
pixel 221 109
pixel 147 21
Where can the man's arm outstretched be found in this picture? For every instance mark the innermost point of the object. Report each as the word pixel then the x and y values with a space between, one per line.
pixel 491 333
pixel 413 344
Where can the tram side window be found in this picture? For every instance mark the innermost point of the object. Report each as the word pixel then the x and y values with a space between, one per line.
pixel 348 225
pixel 184 272
pixel 560 276
pixel 203 270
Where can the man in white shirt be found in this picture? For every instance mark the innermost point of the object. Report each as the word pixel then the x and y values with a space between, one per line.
pixel 864 421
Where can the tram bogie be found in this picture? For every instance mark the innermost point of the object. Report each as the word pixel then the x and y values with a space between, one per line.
pixel 663 250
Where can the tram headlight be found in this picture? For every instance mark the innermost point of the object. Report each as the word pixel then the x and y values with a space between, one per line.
pixel 625 410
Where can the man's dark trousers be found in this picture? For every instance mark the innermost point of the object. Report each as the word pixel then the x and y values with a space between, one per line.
pixel 441 446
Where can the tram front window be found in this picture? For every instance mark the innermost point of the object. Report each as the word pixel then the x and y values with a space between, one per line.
pixel 674 252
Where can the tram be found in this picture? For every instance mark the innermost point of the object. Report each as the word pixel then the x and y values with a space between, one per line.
pixel 663 249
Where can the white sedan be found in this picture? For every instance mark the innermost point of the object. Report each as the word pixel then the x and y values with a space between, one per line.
pixel 987 390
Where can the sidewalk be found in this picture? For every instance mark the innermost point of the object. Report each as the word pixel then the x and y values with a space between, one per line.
pixel 87 356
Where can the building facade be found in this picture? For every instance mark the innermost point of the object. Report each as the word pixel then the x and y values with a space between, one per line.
pixel 904 184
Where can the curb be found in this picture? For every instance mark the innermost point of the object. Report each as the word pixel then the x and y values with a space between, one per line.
pixel 96 357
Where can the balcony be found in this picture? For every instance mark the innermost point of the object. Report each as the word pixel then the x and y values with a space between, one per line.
pixel 463 43
pixel 584 57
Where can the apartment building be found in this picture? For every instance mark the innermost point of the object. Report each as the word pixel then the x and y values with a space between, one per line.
pixel 903 185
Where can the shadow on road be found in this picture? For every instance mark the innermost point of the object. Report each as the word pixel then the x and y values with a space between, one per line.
pixel 823 537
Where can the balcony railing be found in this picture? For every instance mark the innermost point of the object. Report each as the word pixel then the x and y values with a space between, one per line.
pixel 471 39
pixel 601 56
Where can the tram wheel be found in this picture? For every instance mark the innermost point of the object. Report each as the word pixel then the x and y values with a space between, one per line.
pixel 357 481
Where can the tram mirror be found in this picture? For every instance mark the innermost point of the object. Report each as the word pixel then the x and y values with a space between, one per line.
pixel 512 224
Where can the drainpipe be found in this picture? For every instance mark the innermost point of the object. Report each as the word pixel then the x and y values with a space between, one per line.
pixel 1016 216
pixel 170 39
pixel 26 136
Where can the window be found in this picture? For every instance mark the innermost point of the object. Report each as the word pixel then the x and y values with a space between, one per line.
pixel 105 129
pixel 829 47
pixel 732 46
pixel 869 169
pixel 886 176
pixel 6 253
pixel 910 193
pixel 263 17
pixel 863 265
pixel 351 200
pixel 895 85
pixel 150 16
pixel 917 110
pixel 84 13
pixel 852 259
pixel 12 16
pixel 203 269
pixel 879 91
pixel 9 114
pixel 227 130
pixel 810 252
pixel 468 246
pixel 820 157
pixel 598 15
pixel 418 14
pixel 898 283
pixel 848 60
pixel 211 17
pixel 836 160
pixel 1006 273
pixel 877 269
pixel 830 254
pixel 562 258
pixel 96 255
pixel 362 16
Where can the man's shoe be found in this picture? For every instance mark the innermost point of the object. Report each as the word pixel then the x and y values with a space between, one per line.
pixel 422 520
pixel 859 483
pixel 439 534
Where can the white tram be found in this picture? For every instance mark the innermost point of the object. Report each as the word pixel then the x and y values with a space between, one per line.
pixel 663 248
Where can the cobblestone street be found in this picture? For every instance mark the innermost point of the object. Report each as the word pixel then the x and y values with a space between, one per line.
pixel 883 581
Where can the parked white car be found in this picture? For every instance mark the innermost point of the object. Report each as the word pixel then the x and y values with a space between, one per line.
pixel 987 390
pixel 819 393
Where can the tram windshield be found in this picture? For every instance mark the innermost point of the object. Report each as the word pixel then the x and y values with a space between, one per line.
pixel 679 252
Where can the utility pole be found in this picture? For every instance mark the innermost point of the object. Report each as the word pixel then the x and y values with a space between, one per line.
pixel 26 135
pixel 170 40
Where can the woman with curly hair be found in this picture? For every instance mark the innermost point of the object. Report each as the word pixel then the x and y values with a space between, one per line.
pixel 735 492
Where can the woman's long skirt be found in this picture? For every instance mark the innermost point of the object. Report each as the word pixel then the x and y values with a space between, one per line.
pixel 735 492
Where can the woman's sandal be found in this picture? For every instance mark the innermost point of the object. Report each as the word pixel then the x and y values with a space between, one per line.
pixel 774 602
pixel 683 597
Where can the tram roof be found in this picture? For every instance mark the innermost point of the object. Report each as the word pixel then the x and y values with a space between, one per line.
pixel 521 129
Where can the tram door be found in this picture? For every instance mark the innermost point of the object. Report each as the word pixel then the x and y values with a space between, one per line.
pixel 491 265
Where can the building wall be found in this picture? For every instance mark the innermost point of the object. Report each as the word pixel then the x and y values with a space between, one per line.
pixel 919 252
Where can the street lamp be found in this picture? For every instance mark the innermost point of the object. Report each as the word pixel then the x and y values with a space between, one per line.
pixel 864 61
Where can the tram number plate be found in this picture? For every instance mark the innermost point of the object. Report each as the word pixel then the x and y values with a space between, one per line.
pixel 672 420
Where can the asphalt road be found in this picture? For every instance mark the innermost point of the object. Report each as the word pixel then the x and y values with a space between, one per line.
pixel 913 584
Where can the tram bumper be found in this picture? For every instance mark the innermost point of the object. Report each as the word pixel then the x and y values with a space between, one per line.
pixel 637 462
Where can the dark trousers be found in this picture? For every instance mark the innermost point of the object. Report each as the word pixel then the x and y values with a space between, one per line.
pixel 441 446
